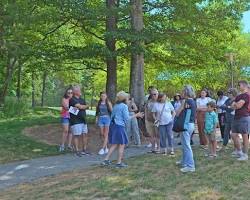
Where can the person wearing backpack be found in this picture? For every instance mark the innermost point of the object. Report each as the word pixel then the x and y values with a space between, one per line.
pixel 241 124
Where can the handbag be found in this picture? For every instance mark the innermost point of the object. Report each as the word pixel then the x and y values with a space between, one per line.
pixel 180 121
pixel 157 122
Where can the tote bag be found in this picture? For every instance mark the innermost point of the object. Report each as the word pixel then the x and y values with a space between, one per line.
pixel 179 122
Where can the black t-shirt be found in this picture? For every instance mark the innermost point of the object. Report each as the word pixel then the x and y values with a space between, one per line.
pixel 191 104
pixel 81 116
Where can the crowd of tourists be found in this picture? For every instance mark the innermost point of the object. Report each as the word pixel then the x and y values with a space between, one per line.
pixel 162 119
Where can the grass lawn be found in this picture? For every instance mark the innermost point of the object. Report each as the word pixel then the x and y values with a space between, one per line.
pixel 148 177
pixel 16 146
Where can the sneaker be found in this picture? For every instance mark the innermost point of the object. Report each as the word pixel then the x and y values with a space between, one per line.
pixel 106 150
pixel 61 148
pixel 187 169
pixel 172 153
pixel 101 152
pixel 236 154
pixel 121 165
pixel 106 163
pixel 243 157
pixel 84 152
pixel 78 153
pixel 148 145
pixel 70 148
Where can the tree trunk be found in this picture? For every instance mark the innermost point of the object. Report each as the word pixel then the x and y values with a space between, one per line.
pixel 111 59
pixel 8 78
pixel 43 88
pixel 33 88
pixel 19 76
pixel 137 55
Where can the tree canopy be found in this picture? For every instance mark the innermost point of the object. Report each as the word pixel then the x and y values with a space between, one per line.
pixel 45 46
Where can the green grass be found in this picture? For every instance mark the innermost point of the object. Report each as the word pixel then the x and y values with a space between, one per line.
pixel 16 146
pixel 148 177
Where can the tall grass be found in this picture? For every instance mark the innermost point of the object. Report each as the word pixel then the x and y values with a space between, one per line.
pixel 14 107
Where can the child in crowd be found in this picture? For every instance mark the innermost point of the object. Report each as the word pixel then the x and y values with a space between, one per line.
pixel 211 122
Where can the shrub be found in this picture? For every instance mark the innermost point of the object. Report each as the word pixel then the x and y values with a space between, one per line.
pixel 14 107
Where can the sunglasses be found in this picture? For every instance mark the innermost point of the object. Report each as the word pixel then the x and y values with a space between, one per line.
pixel 69 92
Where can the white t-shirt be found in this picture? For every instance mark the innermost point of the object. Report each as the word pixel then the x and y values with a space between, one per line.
pixel 221 102
pixel 166 116
pixel 202 102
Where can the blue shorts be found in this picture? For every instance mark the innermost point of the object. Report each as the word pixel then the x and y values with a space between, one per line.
pixel 104 121
pixel 65 121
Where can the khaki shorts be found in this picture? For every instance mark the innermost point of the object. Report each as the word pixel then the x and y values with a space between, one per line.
pixel 151 129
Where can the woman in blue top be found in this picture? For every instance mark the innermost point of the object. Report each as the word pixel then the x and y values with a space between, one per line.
pixel 103 112
pixel 117 132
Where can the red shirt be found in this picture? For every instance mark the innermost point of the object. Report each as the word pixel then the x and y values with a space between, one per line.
pixel 243 111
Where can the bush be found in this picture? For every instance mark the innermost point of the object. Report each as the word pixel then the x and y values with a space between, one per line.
pixel 14 107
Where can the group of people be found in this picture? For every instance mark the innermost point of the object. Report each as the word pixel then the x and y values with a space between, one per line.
pixel 118 123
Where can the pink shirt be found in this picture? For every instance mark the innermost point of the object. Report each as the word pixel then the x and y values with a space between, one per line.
pixel 65 108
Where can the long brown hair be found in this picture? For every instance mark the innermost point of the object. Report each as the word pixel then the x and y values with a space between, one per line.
pixel 107 102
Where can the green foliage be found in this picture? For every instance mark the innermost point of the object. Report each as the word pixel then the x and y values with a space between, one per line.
pixel 66 39
pixel 15 108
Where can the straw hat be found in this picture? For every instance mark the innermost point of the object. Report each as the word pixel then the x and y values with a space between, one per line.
pixel 121 96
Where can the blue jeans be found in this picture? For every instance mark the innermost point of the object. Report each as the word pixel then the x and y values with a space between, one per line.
pixel 187 153
pixel 166 133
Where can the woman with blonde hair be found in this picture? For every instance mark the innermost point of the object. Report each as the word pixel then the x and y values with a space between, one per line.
pixel 117 132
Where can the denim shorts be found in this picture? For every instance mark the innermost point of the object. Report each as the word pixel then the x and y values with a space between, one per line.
pixel 104 121
pixel 79 129
pixel 65 121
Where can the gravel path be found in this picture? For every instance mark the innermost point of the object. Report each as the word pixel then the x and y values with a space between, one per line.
pixel 30 170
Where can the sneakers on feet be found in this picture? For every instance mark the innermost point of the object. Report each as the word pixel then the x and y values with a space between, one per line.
pixel 101 152
pixel 172 153
pixel 61 148
pixel 187 169
pixel 121 165
pixel 106 163
pixel 236 154
pixel 148 145
pixel 106 150
pixel 84 152
pixel 79 154
pixel 70 148
pixel 243 157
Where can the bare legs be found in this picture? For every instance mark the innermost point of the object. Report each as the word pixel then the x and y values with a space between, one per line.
pixel 120 152
pixel 104 135
pixel 66 135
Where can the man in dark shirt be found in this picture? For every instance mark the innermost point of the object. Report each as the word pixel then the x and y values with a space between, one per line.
pixel 78 121
pixel 241 124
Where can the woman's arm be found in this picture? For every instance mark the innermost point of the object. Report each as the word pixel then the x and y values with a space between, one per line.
pixel 65 104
